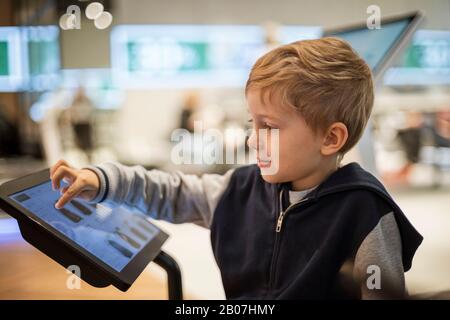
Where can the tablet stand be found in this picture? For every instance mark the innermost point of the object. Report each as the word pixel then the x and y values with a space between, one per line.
pixel 166 262
pixel 61 254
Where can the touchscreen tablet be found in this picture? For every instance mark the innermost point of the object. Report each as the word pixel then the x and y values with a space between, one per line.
pixel 119 240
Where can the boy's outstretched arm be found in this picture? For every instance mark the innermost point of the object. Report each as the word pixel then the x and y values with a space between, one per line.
pixel 175 197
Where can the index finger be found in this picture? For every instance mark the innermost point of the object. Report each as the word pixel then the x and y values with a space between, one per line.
pixel 71 193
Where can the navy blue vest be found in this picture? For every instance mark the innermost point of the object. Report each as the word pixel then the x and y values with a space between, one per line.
pixel 319 234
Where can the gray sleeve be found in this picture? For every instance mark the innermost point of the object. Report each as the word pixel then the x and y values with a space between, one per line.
pixel 378 265
pixel 174 197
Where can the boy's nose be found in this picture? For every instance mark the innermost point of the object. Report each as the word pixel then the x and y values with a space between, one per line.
pixel 252 141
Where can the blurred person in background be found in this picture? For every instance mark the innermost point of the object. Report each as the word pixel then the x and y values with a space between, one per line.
pixel 271 35
pixel 411 139
pixel 442 119
pixel 78 116
pixel 423 130
pixel 189 111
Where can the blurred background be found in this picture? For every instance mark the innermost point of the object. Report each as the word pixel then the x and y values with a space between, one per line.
pixel 116 92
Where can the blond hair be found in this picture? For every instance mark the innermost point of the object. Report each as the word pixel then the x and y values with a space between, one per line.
pixel 324 79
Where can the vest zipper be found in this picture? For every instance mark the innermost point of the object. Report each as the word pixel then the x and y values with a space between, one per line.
pixel 283 213
pixel 277 235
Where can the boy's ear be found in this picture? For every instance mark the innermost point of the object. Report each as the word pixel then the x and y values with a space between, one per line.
pixel 334 139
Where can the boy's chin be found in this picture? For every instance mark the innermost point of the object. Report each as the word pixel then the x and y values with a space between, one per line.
pixel 271 178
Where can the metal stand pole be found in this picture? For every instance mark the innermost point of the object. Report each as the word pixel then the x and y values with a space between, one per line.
pixel 166 262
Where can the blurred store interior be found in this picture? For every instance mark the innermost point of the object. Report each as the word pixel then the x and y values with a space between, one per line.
pixel 91 95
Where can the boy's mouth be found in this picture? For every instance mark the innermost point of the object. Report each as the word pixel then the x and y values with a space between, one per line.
pixel 263 163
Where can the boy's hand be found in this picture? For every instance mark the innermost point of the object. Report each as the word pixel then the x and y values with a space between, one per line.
pixel 81 183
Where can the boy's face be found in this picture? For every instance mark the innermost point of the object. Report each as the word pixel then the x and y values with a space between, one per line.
pixel 299 148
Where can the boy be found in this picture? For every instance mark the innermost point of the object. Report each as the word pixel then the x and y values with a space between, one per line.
pixel 312 229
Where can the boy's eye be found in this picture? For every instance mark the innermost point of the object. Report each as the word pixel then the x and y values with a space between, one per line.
pixel 268 126
pixel 264 125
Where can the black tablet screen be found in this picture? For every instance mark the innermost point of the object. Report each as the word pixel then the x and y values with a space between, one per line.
pixel 114 236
